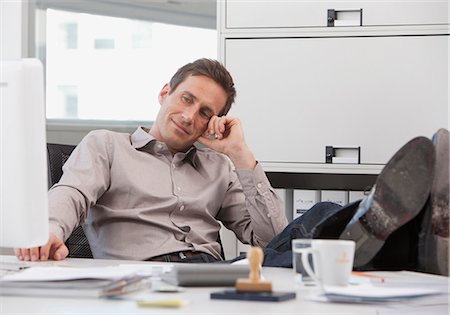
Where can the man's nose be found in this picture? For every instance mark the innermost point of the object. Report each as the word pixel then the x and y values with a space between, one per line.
pixel 189 114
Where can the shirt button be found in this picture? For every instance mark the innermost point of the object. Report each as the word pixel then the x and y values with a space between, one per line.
pixel 179 188
pixel 173 165
pixel 182 208
pixel 259 185
pixel 268 215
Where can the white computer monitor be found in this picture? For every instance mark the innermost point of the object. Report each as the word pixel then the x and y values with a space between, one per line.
pixel 23 158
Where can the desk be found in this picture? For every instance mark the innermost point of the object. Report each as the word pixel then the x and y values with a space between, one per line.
pixel 200 303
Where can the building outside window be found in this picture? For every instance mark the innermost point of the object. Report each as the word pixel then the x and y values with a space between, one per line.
pixel 110 68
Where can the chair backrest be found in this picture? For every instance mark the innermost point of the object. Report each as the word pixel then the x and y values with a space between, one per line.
pixel 58 154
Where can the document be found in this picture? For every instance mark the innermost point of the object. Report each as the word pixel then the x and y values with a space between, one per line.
pixel 72 282
pixel 69 273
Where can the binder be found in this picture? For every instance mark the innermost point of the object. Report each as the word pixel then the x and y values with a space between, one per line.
pixel 355 195
pixel 303 200
pixel 337 196
pixel 286 197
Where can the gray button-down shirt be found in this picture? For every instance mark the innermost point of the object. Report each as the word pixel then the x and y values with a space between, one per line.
pixel 138 201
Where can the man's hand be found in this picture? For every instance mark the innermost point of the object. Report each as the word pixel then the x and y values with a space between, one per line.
pixel 228 139
pixel 54 249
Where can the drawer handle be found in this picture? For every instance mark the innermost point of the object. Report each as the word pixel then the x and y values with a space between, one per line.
pixel 347 17
pixel 343 155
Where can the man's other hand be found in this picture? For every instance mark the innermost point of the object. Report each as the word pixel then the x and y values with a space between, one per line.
pixel 54 249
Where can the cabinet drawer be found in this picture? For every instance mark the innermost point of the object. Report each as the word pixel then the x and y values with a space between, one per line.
pixel 307 13
pixel 296 96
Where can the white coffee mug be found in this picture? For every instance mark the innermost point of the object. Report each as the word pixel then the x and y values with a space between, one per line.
pixel 333 261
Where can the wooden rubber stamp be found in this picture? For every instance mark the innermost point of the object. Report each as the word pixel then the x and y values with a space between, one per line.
pixel 254 283
pixel 253 288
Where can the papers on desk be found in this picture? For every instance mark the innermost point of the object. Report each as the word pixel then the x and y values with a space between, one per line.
pixel 72 282
pixel 69 273
pixel 368 292
pixel 386 287
pixel 148 270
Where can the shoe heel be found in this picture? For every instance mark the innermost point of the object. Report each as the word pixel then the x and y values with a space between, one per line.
pixel 366 245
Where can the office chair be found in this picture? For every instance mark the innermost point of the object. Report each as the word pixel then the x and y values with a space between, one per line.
pixel 58 154
pixel 77 243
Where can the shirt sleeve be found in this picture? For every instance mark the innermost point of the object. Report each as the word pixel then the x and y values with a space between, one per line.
pixel 251 207
pixel 85 178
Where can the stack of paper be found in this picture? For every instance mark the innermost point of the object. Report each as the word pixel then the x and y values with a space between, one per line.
pixel 369 293
pixel 71 282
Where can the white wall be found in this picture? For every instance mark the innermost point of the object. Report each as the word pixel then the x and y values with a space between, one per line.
pixel 13 29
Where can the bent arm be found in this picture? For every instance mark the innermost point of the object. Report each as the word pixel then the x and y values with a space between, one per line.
pixel 86 177
pixel 252 209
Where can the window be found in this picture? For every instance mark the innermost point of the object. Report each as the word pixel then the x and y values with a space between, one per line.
pixel 69 32
pixel 68 100
pixel 112 68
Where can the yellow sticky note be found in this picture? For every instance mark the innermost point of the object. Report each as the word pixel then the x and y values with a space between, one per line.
pixel 161 303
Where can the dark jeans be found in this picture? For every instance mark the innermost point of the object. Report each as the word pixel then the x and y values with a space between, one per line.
pixel 278 252
pixel 328 220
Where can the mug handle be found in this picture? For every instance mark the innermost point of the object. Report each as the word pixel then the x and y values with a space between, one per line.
pixel 307 266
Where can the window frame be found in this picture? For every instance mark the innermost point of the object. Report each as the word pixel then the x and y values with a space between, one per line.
pixel 180 12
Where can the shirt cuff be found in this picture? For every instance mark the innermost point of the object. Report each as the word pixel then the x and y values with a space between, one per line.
pixel 253 181
pixel 57 230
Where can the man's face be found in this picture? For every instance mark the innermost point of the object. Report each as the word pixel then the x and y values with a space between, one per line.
pixel 185 112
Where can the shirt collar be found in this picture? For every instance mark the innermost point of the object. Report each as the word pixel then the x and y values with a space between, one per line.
pixel 141 138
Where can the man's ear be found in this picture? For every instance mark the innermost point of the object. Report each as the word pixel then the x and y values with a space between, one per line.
pixel 163 93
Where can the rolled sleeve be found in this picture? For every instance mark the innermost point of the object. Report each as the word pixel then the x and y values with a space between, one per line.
pixel 265 207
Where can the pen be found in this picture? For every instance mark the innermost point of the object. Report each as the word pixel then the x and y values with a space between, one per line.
pixel 13 268
pixel 363 274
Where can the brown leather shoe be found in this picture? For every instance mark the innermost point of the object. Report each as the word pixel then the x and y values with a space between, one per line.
pixel 434 236
pixel 400 192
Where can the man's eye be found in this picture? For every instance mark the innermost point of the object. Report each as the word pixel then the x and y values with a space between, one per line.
pixel 205 114
pixel 186 99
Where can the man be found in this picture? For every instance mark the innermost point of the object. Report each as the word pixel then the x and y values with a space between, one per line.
pixel 153 195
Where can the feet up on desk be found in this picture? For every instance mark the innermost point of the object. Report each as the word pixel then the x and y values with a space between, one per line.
pixel 434 234
pixel 400 192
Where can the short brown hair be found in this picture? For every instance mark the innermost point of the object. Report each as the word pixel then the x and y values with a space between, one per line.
pixel 212 69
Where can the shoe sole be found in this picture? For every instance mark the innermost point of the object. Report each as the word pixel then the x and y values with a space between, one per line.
pixel 434 236
pixel 401 191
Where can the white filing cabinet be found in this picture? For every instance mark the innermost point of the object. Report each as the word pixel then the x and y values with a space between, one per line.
pixel 361 77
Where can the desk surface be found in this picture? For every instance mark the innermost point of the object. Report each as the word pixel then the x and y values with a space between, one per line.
pixel 199 302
